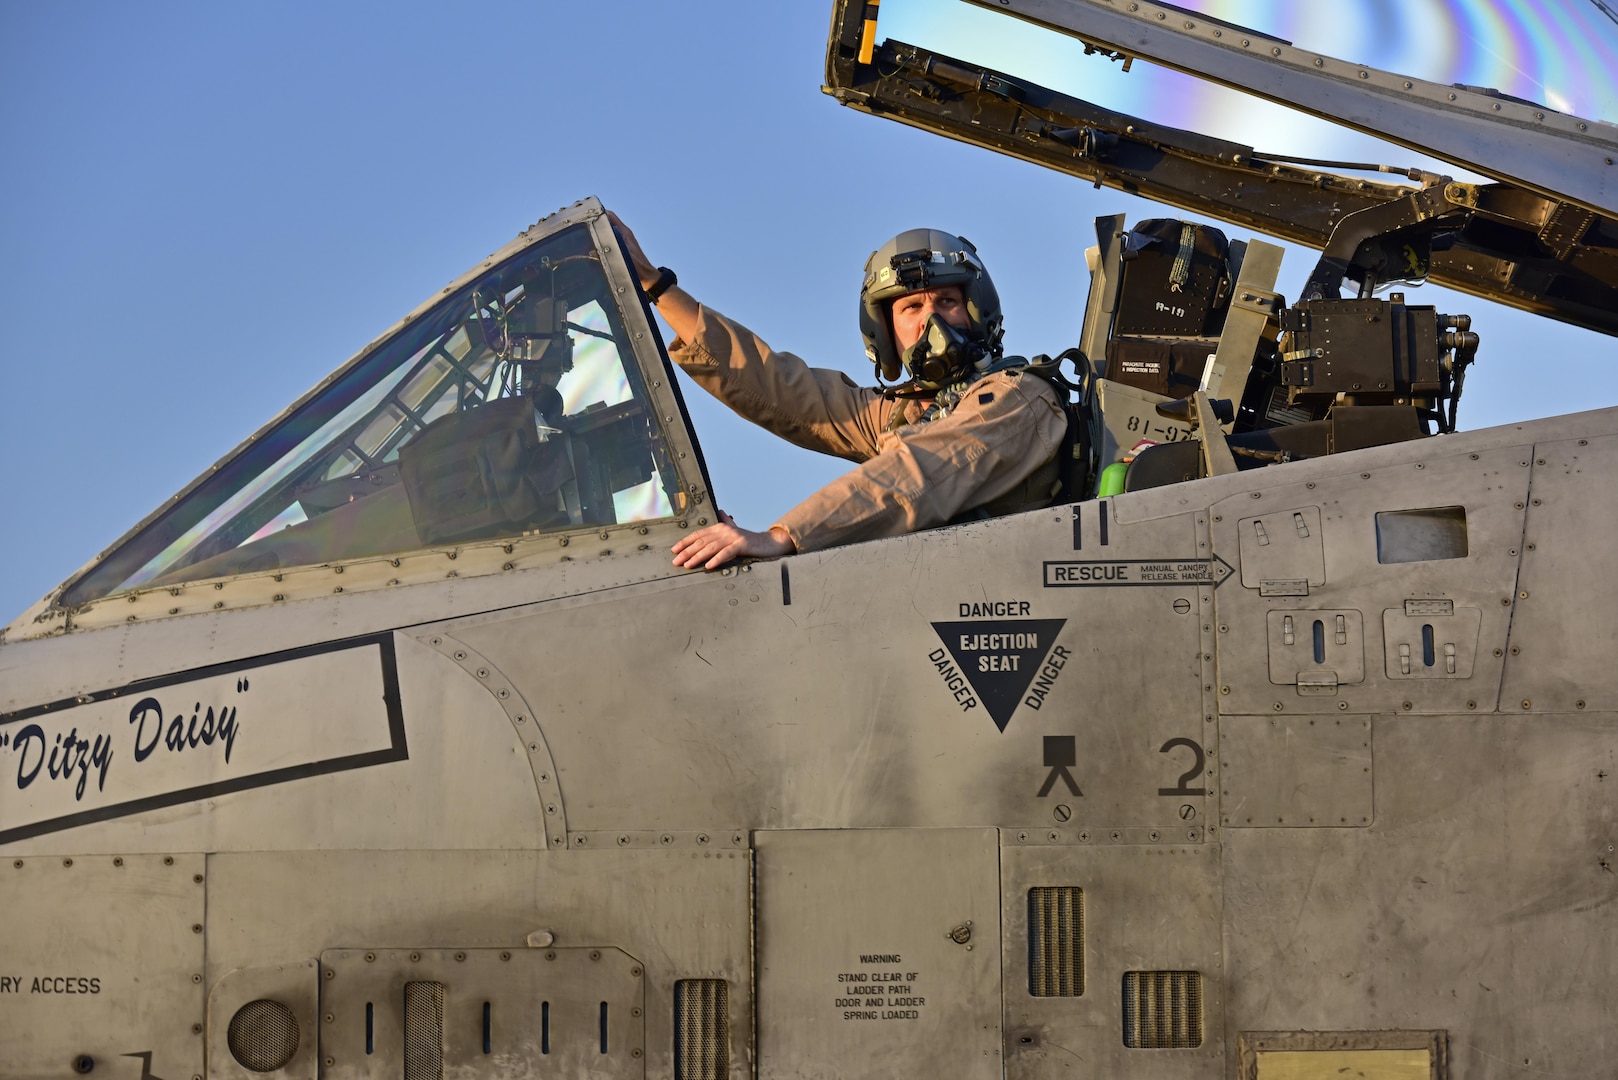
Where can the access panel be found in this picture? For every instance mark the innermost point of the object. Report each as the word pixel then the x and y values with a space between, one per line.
pixel 878 953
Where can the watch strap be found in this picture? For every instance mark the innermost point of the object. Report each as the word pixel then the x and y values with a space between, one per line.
pixel 666 280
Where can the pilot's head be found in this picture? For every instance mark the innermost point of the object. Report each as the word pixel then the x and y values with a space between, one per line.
pixel 928 307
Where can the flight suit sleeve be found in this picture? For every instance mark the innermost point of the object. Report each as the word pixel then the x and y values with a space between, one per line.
pixel 1006 427
pixel 815 408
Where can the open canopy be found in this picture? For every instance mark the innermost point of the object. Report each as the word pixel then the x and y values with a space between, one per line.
pixel 1056 82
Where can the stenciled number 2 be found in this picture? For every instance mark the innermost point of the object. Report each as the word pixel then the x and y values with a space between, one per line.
pixel 1183 785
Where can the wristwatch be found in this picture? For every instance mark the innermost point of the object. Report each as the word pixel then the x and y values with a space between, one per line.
pixel 666 280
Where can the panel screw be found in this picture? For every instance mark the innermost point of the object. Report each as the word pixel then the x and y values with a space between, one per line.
pixel 1578 704
pixel 117 860
pixel 196 928
pixel 1062 812
pixel 505 956
pixel 196 978
pixel 331 1019
pixel 635 1053
pixel 67 862
pixel 168 860
pixel 370 958
pixel 594 955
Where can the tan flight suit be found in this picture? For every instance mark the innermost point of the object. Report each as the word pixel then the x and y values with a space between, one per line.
pixel 995 450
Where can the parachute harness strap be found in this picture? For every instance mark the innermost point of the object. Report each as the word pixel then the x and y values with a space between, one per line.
pixel 1180 273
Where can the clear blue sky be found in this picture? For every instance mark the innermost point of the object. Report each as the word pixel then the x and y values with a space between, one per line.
pixel 209 206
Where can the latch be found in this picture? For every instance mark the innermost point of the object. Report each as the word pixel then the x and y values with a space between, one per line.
pixel 1317 684
pixel 1282 553
pixel 1431 639
pixel 1317 651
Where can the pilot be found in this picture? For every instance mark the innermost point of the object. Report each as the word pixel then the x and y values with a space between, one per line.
pixel 970 436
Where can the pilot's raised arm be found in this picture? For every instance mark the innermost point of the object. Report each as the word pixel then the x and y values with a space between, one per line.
pixel 969 433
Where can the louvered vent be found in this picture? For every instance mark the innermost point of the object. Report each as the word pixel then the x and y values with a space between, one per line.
pixel 1162 1009
pixel 1056 941
pixel 424 1031
pixel 701 1029
pixel 263 1036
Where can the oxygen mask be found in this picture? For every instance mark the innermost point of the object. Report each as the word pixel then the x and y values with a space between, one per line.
pixel 942 354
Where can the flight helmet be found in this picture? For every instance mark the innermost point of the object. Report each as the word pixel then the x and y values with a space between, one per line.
pixel 925 259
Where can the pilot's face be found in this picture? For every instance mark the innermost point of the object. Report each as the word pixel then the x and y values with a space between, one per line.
pixel 912 310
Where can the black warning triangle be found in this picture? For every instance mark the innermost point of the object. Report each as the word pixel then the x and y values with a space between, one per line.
pixel 999 657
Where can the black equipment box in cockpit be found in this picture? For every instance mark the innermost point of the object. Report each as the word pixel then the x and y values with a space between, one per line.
pixel 1174 290
pixel 1367 349
pixel 1171 367
pixel 1175 280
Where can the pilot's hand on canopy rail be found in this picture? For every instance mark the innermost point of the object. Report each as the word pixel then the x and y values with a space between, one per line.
pixel 676 306
pixel 719 544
